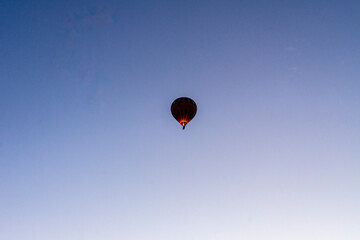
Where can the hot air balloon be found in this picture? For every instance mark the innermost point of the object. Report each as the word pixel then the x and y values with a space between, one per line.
pixel 183 109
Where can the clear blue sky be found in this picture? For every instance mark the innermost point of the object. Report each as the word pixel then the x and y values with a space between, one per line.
pixel 89 149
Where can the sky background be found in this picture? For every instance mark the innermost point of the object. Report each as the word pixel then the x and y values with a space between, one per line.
pixel 89 149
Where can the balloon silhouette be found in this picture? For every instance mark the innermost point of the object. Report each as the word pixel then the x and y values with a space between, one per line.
pixel 183 109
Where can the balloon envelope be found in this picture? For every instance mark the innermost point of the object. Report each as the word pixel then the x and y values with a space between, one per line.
pixel 183 109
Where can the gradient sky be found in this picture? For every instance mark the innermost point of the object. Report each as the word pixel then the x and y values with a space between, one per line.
pixel 89 149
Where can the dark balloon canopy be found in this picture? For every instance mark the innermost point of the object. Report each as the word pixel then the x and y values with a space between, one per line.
pixel 183 109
